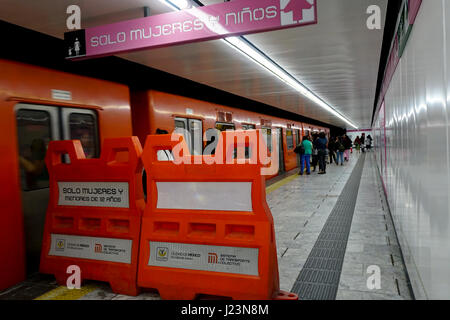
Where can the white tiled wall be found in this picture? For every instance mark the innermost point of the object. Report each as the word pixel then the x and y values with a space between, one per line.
pixel 416 173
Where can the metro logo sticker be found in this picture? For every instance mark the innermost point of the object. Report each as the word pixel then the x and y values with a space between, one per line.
pixel 212 258
pixel 98 248
pixel 235 260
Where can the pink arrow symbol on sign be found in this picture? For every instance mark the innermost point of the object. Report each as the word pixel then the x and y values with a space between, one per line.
pixel 297 6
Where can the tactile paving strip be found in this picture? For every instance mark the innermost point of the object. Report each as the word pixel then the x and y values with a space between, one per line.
pixel 319 278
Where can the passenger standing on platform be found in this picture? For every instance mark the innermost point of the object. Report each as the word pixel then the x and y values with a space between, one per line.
pixel 340 150
pixel 315 152
pixel 357 145
pixel 369 142
pixel 363 142
pixel 322 145
pixel 306 156
pixel 348 145
pixel 332 149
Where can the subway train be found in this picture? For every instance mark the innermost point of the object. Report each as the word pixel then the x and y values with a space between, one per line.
pixel 38 105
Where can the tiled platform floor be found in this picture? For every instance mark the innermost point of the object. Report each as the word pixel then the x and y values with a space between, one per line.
pixel 300 209
pixel 372 242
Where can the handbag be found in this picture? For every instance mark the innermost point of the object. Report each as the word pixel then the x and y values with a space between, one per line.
pixel 300 149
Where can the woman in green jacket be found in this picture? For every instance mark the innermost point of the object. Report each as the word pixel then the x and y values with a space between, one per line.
pixel 306 156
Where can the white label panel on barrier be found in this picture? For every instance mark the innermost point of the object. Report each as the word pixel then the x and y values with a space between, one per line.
pixel 221 196
pixel 235 260
pixel 94 194
pixel 103 249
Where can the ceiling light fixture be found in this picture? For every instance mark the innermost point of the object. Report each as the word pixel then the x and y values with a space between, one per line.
pixel 177 4
pixel 246 48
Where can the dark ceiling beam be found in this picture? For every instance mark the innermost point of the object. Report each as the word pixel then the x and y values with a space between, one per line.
pixel 393 11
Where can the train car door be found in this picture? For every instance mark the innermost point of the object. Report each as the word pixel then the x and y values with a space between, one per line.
pixel 297 142
pixel 196 130
pixel 36 126
pixel 267 134
pixel 280 150
pixel 248 152
pixel 192 129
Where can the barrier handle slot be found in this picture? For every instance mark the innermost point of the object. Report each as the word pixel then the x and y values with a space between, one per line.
pixel 56 149
pixel 130 145
pixel 165 142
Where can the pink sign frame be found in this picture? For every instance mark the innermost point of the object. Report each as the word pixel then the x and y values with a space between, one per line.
pixel 235 18
pixel 414 6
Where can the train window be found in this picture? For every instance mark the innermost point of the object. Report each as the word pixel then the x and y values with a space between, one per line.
pixel 297 137
pixel 221 126
pixel 289 139
pixel 83 127
pixel 267 133
pixel 196 131
pixel 81 124
pixel 180 124
pixel 248 152
pixel 248 127
pixel 192 130
pixel 34 130
pixel 247 155
pixel 211 135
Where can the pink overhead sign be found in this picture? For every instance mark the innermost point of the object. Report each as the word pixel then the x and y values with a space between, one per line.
pixel 211 22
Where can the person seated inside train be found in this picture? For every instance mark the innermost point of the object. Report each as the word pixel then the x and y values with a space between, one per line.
pixel 164 155
pixel 34 164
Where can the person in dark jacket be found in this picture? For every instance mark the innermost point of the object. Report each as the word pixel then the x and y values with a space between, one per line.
pixel 348 145
pixel 369 143
pixel 321 145
pixel 315 152
pixel 340 150
pixel 363 142
pixel 332 150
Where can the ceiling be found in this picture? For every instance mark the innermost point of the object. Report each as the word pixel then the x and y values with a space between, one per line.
pixel 338 59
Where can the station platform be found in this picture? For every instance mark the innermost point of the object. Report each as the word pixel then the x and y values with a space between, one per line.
pixel 331 230
pixel 319 260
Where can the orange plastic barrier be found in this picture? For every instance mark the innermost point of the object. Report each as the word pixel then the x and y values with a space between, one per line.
pixel 207 229
pixel 94 214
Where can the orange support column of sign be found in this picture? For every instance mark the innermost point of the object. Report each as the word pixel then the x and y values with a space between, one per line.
pixel 207 229
pixel 94 215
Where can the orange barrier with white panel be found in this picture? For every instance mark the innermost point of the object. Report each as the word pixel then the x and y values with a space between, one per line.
pixel 206 228
pixel 94 214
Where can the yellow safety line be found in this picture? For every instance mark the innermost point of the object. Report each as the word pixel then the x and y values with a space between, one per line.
pixel 64 293
pixel 281 183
